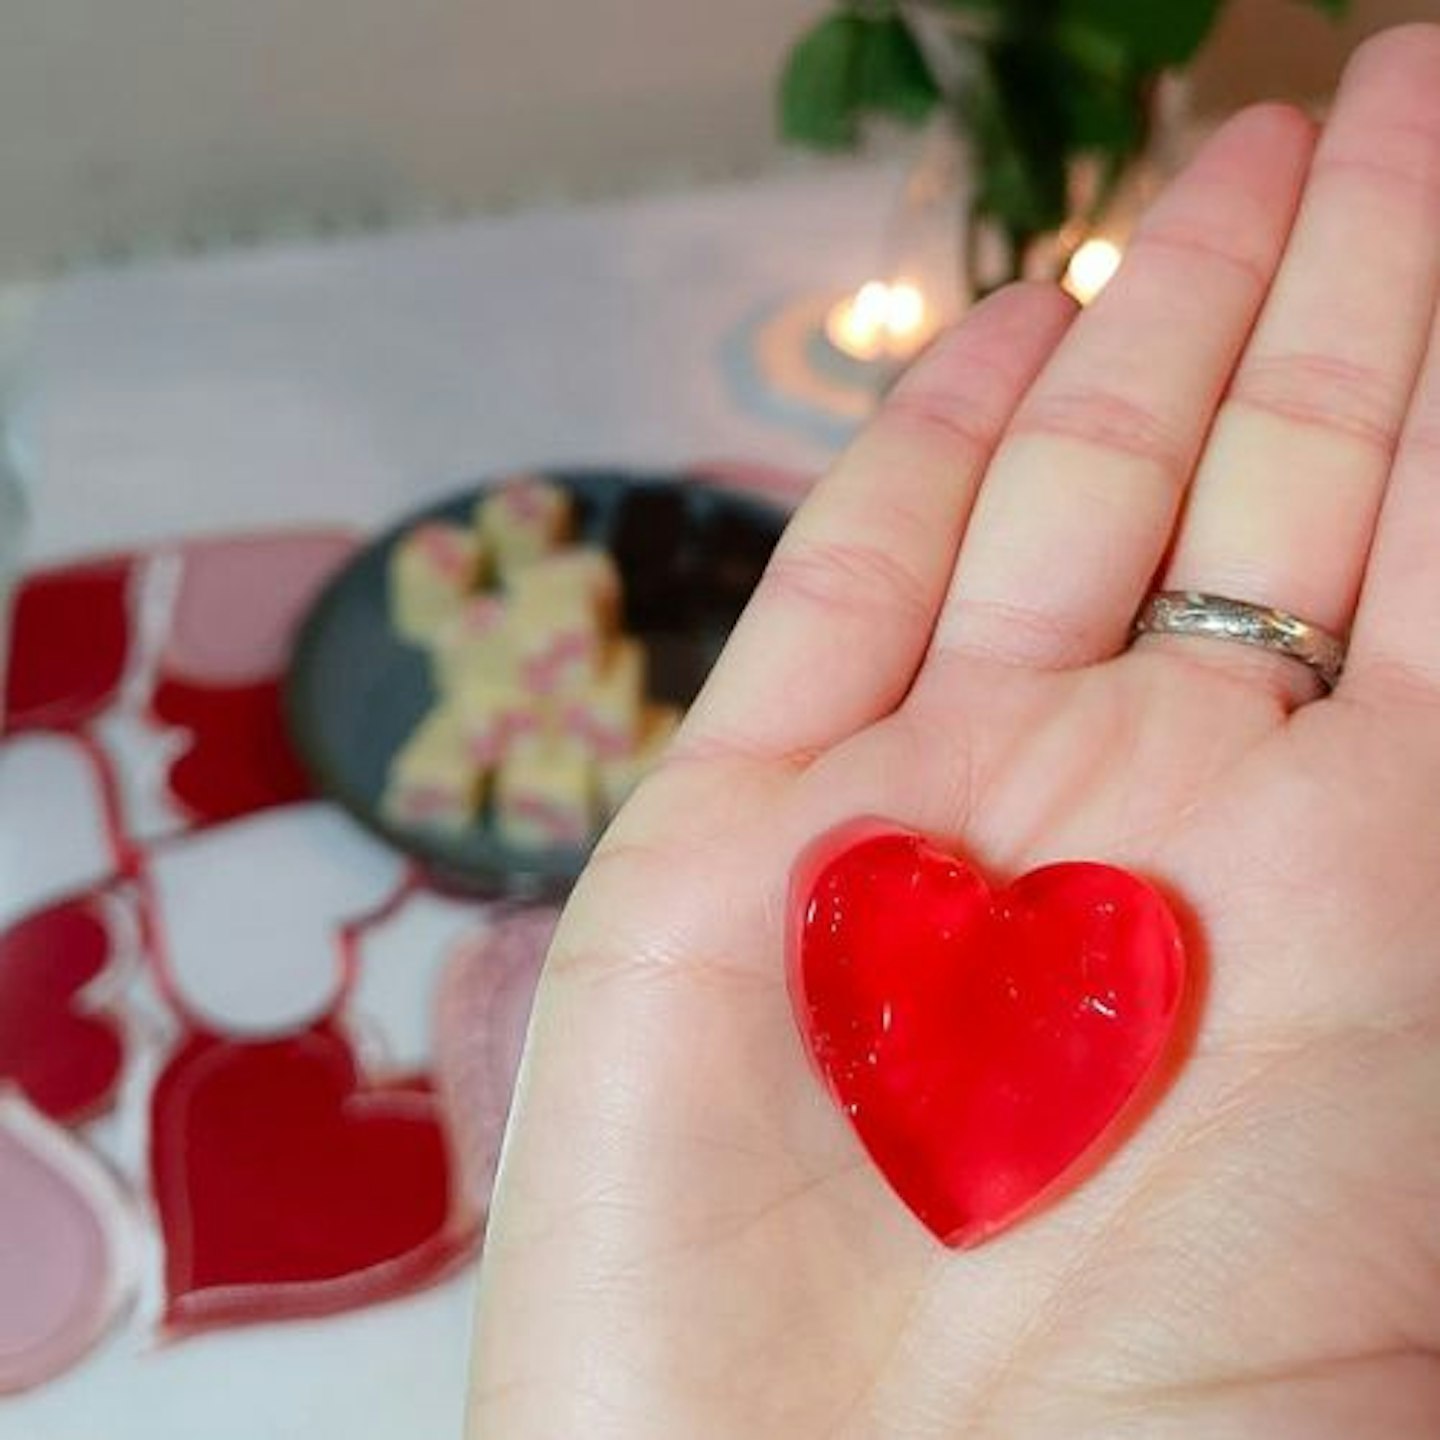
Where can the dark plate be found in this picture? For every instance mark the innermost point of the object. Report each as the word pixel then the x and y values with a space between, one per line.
pixel 690 555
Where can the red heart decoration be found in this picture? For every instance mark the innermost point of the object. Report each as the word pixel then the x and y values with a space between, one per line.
pixel 288 1187
pixel 64 1057
pixel 239 759
pixel 983 1043
pixel 70 644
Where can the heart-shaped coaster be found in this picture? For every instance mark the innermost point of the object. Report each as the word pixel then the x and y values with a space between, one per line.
pixel 63 1053
pixel 481 1013
pixel 234 617
pixel 70 646
pixel 983 1043
pixel 68 1252
pixel 239 601
pixel 238 758
pixel 287 1186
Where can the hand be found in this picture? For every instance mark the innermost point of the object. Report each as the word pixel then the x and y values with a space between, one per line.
pixel 688 1240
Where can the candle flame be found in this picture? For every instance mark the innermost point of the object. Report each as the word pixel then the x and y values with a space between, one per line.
pixel 880 320
pixel 1090 269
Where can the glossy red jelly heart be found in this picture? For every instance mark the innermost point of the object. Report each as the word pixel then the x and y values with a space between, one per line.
pixel 982 1042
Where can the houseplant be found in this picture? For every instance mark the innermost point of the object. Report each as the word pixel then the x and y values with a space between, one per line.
pixel 1047 93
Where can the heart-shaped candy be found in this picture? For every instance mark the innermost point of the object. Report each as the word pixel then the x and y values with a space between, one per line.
pixel 287 1186
pixel 983 1043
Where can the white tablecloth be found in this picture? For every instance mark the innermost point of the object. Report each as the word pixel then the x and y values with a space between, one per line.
pixel 347 383
pixel 351 380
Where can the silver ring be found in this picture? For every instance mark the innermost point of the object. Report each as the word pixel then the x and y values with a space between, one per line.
pixel 1217 617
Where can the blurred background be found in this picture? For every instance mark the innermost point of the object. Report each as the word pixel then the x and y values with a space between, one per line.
pixel 141 125
pixel 289 285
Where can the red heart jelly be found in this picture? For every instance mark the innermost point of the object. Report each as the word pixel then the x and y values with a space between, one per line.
pixel 983 1043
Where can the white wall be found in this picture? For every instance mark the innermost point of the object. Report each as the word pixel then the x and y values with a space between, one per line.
pixel 134 123
pixel 136 120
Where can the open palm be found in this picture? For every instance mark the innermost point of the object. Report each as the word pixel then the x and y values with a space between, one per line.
pixel 688 1240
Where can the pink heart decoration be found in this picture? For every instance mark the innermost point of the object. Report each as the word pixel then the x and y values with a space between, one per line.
pixel 482 1012
pixel 67 1253
pixel 64 1054
pixel 70 644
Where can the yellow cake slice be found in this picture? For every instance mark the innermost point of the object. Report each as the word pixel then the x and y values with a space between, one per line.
pixel 432 569
pixel 523 519
pixel 494 708
pixel 604 714
pixel 435 781
pixel 545 793
pixel 579 575
pixel 474 640
pixel 558 638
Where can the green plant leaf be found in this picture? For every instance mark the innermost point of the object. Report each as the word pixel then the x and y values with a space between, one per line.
pixel 820 100
pixel 1154 32
pixel 893 77
pixel 1021 141
pixel 991 11
pixel 1104 113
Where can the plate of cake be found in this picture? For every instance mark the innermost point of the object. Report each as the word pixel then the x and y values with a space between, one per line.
pixel 485 683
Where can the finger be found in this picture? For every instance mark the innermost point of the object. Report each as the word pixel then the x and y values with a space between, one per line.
pixel 1396 635
pixel 1078 507
pixel 1283 508
pixel 839 623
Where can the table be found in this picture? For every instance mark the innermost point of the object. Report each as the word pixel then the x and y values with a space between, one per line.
pixel 344 383
pixel 354 379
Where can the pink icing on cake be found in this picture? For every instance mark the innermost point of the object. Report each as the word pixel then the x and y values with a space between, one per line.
pixel 607 741
pixel 444 548
pixel 546 671
pixel 482 615
pixel 527 500
pixel 423 802
pixel 561 824
pixel 487 744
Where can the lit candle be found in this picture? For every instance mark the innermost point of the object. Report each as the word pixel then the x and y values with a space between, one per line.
pixel 880 321
pixel 1090 269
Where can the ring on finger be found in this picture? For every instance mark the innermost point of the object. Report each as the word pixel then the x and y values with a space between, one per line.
pixel 1219 617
